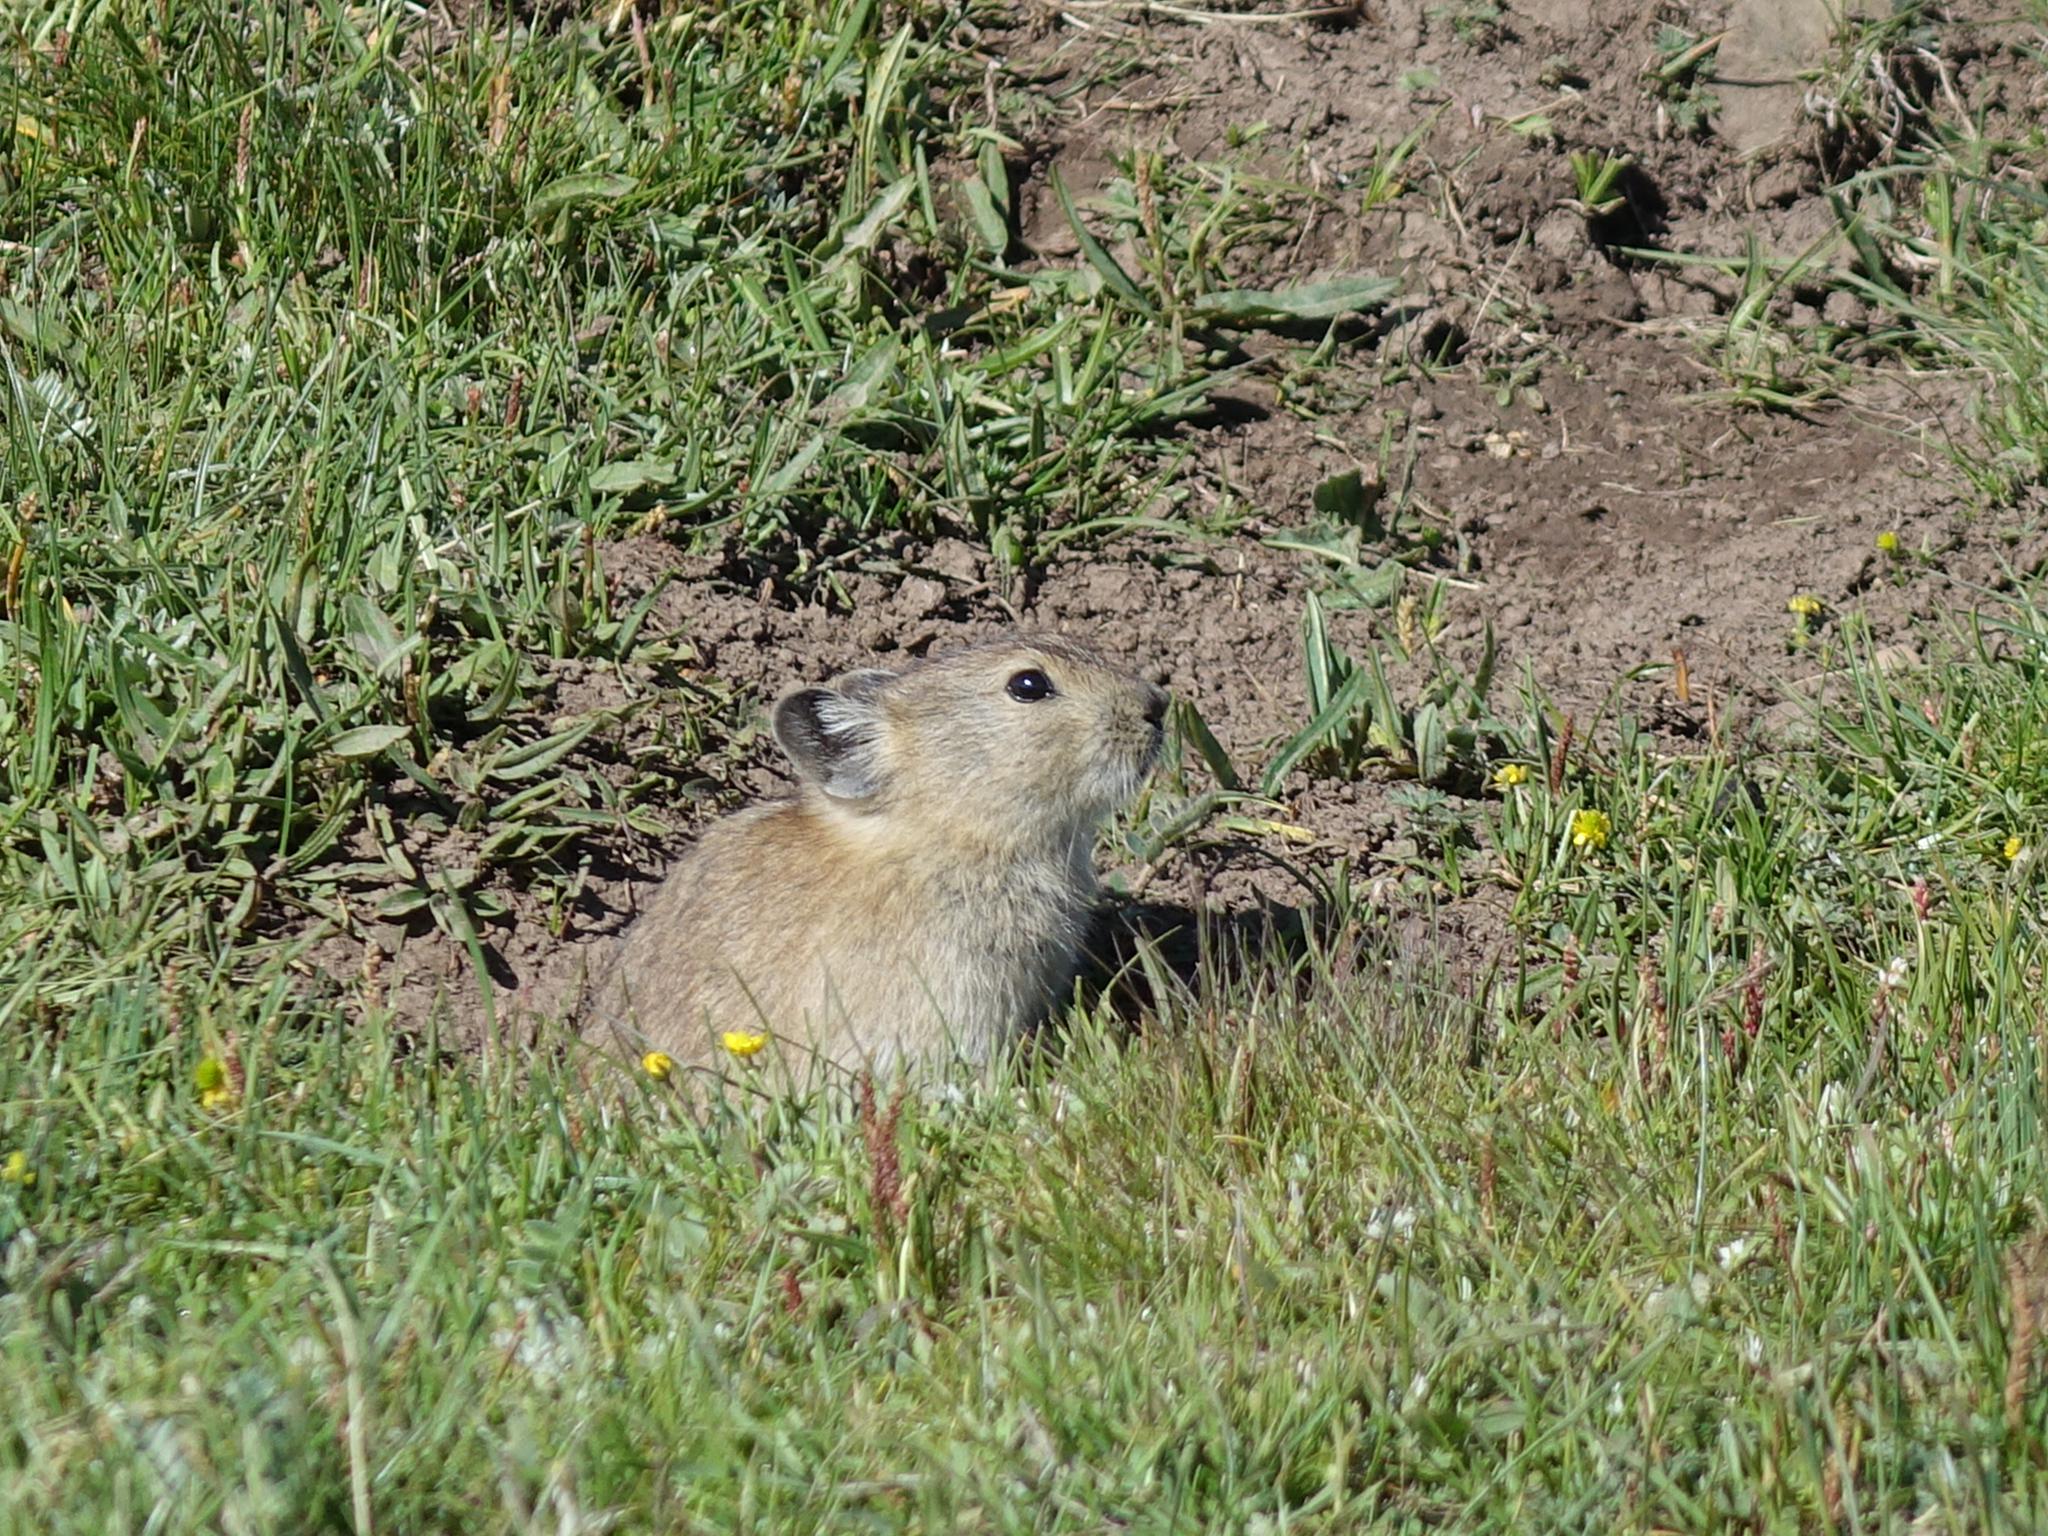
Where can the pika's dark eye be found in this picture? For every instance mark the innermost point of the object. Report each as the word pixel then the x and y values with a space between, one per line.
pixel 1029 686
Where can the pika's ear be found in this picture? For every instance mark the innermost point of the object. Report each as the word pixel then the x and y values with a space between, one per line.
pixel 831 736
pixel 863 684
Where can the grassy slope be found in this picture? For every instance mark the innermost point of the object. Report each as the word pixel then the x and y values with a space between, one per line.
pixel 300 445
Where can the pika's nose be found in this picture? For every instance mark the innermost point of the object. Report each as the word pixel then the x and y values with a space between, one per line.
pixel 1156 700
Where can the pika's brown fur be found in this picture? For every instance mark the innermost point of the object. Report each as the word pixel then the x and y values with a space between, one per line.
pixel 927 889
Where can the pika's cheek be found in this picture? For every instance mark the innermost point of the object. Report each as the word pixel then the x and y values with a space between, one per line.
pixel 1137 740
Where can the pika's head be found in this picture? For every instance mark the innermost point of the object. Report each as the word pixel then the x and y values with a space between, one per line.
pixel 1006 743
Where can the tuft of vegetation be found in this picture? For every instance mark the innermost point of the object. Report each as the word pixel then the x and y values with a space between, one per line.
pixel 1479 24
pixel 1680 77
pixel 1597 185
pixel 1938 249
pixel 1952 245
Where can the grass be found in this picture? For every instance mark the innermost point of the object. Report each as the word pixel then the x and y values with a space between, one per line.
pixel 1658 1236
pixel 336 353
pixel 1950 242
pixel 1939 238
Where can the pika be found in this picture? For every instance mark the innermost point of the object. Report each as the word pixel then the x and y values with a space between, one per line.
pixel 928 888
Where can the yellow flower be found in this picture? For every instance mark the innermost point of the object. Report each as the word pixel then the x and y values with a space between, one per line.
pixel 657 1064
pixel 16 1170
pixel 210 1077
pixel 1508 775
pixel 1888 543
pixel 2014 847
pixel 743 1045
pixel 1806 605
pixel 1590 829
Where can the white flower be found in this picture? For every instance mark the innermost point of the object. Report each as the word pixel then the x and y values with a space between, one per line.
pixel 1834 1104
pixel 1398 1220
pixel 548 1349
pixel 1893 976
pixel 59 411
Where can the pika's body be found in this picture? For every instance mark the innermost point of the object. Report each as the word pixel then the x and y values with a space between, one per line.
pixel 927 890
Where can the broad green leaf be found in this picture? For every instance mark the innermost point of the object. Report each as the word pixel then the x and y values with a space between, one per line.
pixel 878 101
pixel 785 479
pixel 1489 658
pixel 1343 706
pixel 402 903
pixel 989 222
pixel 995 177
pixel 1432 744
pixel 1115 277
pixel 853 30
pixel 598 124
pixel 150 732
pixel 869 371
pixel 1376 586
pixel 523 762
pixel 1193 727
pixel 675 231
pixel 625 476
pixel 35 327
pixel 1326 669
pixel 1384 727
pixel 375 637
pixel 862 236
pixel 296 666
pixel 586 187
pixel 368 740
pixel 1350 499
pixel 300 608
pixel 1338 544
pixel 1308 302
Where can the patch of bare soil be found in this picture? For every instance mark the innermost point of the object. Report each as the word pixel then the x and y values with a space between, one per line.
pixel 1601 506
